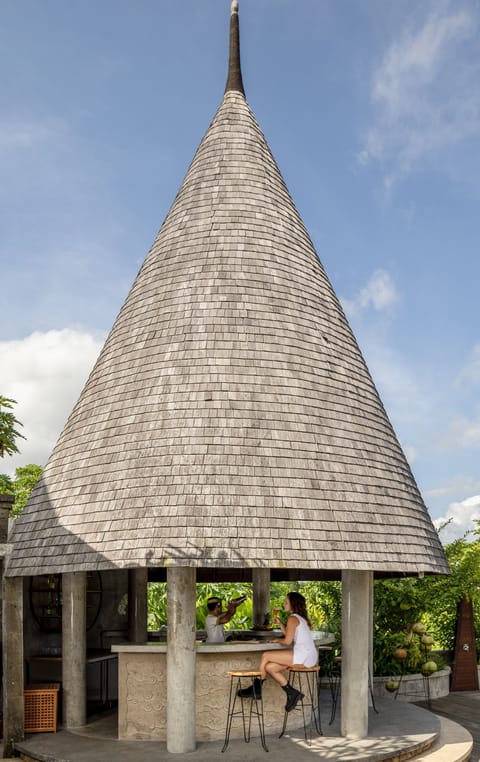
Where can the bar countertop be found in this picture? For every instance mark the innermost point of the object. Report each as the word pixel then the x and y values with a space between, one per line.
pixel 320 638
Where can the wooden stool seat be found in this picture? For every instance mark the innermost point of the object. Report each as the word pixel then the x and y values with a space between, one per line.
pixel 301 668
pixel 254 700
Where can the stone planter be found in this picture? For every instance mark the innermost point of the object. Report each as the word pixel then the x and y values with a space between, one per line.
pixel 412 687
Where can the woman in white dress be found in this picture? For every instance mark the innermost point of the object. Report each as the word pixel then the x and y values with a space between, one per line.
pixel 303 652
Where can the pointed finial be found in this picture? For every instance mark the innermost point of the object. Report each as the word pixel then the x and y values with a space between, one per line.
pixel 234 79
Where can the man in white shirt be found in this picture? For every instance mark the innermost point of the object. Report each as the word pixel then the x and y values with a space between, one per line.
pixel 216 618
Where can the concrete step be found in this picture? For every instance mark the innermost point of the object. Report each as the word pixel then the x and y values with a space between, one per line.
pixel 453 745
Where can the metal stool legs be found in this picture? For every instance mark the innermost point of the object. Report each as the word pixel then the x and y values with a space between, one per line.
pixel 335 687
pixel 254 706
pixel 311 690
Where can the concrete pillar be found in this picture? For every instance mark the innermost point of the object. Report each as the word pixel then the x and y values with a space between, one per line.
pixel 355 653
pixel 370 638
pixel 261 595
pixel 181 623
pixel 74 649
pixel 137 605
pixel 12 663
pixel 6 505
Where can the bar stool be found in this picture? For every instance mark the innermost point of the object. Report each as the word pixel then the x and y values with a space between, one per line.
pixel 311 698
pixel 335 685
pixel 256 705
pixel 336 688
pixel 326 663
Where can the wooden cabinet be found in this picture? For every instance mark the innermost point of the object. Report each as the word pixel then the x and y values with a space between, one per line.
pixel 102 674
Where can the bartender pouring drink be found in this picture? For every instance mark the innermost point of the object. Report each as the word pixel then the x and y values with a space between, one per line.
pixel 216 618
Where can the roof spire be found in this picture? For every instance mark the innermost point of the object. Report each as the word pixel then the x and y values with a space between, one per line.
pixel 234 80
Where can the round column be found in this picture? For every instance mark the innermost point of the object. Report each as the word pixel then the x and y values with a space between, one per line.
pixel 12 623
pixel 181 655
pixel 261 595
pixel 74 649
pixel 137 605
pixel 355 653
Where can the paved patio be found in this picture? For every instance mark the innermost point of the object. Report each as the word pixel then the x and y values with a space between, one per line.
pixel 397 731
pixel 463 707
pixel 397 728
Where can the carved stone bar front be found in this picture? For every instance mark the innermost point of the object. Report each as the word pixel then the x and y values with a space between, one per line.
pixel 142 698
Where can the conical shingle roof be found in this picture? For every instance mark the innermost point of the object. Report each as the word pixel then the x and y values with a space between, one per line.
pixel 230 420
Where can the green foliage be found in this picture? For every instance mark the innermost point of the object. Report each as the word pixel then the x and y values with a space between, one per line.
pixel 324 605
pixel 433 600
pixel 26 476
pixel 21 486
pixel 6 485
pixel 443 594
pixel 8 433
pixel 323 599
pixel 25 480
pixel 388 645
pixel 324 602
pixel 242 618
pixel 384 646
pixel 398 604
pixel 157 603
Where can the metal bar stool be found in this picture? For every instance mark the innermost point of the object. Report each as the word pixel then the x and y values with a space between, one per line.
pixel 311 698
pixel 255 702
pixel 326 662
pixel 337 684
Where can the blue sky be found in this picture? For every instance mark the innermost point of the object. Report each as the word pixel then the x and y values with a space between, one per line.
pixel 372 110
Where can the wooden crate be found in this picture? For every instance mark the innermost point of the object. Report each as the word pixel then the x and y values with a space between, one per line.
pixel 40 707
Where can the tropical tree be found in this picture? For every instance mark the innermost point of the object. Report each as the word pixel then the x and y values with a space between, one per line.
pixel 443 594
pixel 20 486
pixel 6 485
pixel 8 431
pixel 25 480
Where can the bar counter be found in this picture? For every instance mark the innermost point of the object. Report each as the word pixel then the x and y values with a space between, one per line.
pixel 142 698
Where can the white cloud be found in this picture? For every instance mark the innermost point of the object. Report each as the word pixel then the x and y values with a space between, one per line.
pixel 471 371
pixel 414 62
pixel 462 516
pixel 21 134
pixel 425 92
pixel 463 432
pixel 379 293
pixel 398 384
pixel 461 484
pixel 410 453
pixel 45 374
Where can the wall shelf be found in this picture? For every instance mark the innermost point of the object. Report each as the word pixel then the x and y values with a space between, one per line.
pixel 46 600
